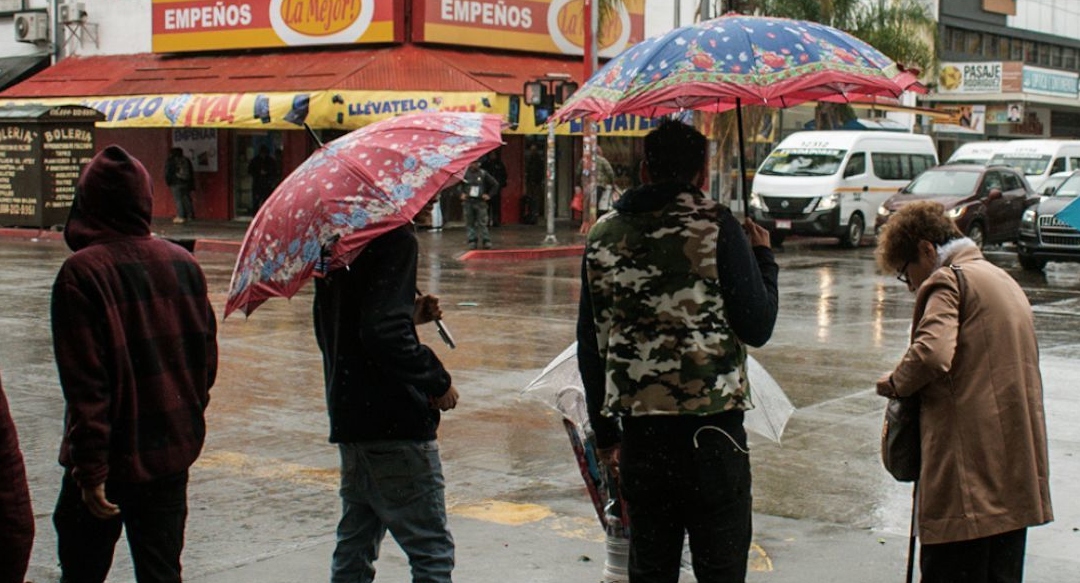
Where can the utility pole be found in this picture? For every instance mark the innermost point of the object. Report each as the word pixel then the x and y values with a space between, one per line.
pixel 591 19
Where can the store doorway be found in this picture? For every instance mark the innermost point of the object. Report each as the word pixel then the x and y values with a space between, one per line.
pixel 253 173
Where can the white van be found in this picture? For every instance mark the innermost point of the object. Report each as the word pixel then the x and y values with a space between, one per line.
pixel 831 183
pixel 975 153
pixel 1038 159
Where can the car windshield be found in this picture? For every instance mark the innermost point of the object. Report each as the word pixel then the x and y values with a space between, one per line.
pixel 944 183
pixel 803 162
pixel 1030 165
pixel 1071 187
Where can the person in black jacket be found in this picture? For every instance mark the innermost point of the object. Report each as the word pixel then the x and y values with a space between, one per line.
pixel 384 391
pixel 494 166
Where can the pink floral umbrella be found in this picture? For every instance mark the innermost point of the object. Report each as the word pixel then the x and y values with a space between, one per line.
pixel 349 192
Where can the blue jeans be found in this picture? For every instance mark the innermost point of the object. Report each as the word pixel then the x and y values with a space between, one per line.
pixel 396 486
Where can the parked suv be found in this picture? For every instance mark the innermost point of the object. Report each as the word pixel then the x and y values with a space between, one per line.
pixel 986 202
pixel 1043 237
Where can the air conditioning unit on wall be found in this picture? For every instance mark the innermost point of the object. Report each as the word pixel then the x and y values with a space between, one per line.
pixel 70 12
pixel 31 27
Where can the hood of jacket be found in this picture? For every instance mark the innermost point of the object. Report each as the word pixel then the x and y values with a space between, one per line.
pixel 113 200
pixel 651 197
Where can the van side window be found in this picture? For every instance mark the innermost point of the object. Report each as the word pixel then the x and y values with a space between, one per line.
pixel 893 166
pixel 856 165
pixel 920 163
pixel 1058 165
pixel 1074 163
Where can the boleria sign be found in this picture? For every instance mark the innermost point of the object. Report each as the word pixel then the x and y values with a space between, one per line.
pixel 201 25
pixel 543 26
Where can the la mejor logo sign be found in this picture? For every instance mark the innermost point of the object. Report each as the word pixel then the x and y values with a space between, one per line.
pixel 566 24
pixel 319 22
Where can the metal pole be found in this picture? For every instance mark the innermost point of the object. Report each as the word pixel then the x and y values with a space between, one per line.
pixel 588 141
pixel 550 195
pixel 742 160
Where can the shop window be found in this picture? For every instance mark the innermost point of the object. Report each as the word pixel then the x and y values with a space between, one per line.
pixel 1068 58
pixel 1029 52
pixel 1055 56
pixel 1001 50
pixel 955 39
pixel 1016 49
pixel 1044 54
pixel 973 43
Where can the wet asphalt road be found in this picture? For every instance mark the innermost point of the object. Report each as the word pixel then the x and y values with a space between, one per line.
pixel 266 481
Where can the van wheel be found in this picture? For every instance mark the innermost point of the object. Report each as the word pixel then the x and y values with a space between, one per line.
pixel 977 234
pixel 1030 263
pixel 856 228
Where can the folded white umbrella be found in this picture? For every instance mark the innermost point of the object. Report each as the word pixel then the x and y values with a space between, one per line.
pixel 555 384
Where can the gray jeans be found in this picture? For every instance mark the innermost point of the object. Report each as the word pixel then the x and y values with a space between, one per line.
pixel 396 486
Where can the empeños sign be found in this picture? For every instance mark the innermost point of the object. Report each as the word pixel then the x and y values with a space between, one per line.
pixel 199 25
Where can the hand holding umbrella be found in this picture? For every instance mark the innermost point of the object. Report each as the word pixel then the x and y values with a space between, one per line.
pixel 427 310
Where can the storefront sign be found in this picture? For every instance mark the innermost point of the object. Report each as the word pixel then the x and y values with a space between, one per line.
pixel 266 111
pixel 982 77
pixel 203 25
pixel 546 26
pixel 623 125
pixel 1003 113
pixel 200 145
pixel 1051 82
pixel 971 119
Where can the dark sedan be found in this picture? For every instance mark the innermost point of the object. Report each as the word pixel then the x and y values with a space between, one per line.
pixel 985 202
pixel 1044 237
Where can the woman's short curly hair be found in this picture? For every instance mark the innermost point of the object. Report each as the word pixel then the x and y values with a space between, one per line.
pixel 898 241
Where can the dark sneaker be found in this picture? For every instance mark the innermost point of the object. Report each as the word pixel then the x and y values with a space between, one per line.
pixel 472 245
pixel 487 244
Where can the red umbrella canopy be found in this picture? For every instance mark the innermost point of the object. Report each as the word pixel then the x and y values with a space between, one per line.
pixel 752 60
pixel 349 192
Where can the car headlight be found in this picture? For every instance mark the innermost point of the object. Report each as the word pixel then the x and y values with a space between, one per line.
pixel 883 212
pixel 755 201
pixel 828 202
pixel 1027 221
pixel 955 212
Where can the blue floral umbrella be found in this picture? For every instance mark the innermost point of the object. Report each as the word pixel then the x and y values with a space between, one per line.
pixel 737 60
pixel 349 192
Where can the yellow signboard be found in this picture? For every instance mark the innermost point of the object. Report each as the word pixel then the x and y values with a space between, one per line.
pixel 200 25
pixel 320 109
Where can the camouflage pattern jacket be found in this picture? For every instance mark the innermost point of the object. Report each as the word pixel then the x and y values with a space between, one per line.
pixel 671 292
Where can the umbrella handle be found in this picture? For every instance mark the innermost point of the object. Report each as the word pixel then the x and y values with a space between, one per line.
pixel 444 332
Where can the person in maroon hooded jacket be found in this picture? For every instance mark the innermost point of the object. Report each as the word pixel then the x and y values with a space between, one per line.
pixel 16 515
pixel 135 342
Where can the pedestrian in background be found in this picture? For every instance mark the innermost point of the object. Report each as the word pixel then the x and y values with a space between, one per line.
pixel 264 173
pixel 476 189
pixel 605 182
pixel 492 164
pixel 973 362
pixel 16 514
pixel 384 392
pixel 671 268
pixel 135 342
pixel 180 177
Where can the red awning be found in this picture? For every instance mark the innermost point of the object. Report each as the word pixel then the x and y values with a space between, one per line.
pixel 396 68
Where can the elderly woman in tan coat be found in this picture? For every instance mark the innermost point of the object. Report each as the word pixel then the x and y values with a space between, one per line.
pixel 974 363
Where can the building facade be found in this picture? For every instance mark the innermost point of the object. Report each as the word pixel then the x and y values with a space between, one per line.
pixel 1011 68
pixel 224 80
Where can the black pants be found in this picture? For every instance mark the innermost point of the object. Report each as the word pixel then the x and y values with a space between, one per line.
pixel 673 488
pixel 153 513
pixel 993 559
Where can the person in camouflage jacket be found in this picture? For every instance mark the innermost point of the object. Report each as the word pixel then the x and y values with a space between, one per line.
pixel 673 289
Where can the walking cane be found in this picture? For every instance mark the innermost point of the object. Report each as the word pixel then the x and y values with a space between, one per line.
pixel 911 536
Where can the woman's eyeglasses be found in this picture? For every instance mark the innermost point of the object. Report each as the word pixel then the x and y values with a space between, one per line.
pixel 901 274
